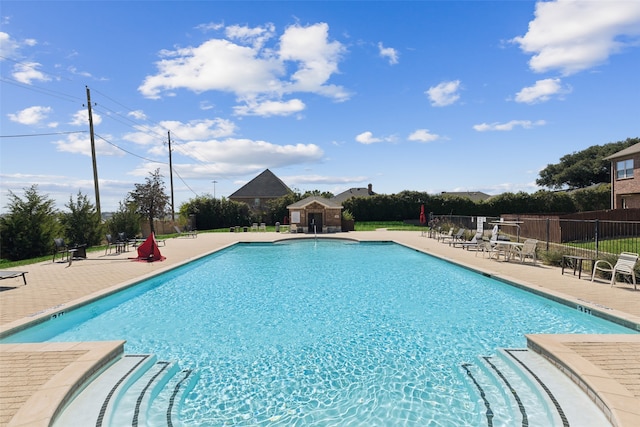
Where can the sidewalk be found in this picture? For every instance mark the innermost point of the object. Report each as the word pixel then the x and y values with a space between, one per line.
pixel 608 366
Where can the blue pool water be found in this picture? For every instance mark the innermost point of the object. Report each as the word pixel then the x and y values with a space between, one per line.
pixel 322 333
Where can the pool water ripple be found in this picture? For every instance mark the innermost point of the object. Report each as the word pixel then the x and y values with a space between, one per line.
pixel 329 334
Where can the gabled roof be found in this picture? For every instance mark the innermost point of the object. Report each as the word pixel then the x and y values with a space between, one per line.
pixel 265 185
pixel 634 149
pixel 327 203
pixel 475 196
pixel 352 192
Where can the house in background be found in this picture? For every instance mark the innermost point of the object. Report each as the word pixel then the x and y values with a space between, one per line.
pixel 625 178
pixel 475 196
pixel 260 190
pixel 354 192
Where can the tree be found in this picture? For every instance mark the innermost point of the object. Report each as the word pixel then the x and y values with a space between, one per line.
pixel 125 220
pixel 30 226
pixel 82 224
pixel 150 198
pixel 583 168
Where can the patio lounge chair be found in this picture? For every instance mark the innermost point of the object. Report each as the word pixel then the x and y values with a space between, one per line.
pixel 625 266
pixel 12 274
pixel 471 244
pixel 185 233
pixel 442 236
pixel 454 237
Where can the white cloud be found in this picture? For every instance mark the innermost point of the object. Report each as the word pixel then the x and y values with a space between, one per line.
pixel 80 143
pixel 212 26
pixel 323 179
pixel 27 72
pixel 255 37
pixel 181 132
pixel 270 108
pixel 367 138
pixel 572 36
pixel 137 114
pixel 81 118
pixel 242 65
pixel 525 124
pixel 423 135
pixel 8 46
pixel 388 52
pixel 31 116
pixel 240 156
pixel 446 93
pixel 541 91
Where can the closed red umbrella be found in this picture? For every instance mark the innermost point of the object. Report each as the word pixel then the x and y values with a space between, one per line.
pixel 423 218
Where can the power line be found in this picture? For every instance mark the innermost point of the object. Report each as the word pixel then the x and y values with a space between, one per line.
pixel 129 152
pixel 43 134
pixel 53 93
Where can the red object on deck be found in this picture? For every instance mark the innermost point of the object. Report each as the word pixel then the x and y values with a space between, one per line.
pixel 149 251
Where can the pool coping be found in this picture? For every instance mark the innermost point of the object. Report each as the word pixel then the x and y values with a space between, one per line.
pixel 621 414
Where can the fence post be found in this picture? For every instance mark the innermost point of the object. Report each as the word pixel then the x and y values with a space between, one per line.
pixel 597 226
pixel 548 232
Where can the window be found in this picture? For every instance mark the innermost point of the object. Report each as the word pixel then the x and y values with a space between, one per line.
pixel 624 169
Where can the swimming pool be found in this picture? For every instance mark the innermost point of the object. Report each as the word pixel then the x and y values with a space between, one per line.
pixel 322 333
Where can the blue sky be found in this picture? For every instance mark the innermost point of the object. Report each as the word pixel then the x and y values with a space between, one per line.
pixel 405 95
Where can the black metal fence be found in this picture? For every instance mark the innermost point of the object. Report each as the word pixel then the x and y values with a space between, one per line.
pixel 592 238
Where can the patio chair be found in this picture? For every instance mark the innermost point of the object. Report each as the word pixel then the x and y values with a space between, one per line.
pixel 263 227
pixel 625 266
pixel 254 226
pixel 185 233
pixel 111 243
pixel 528 251
pixel 488 247
pixel 60 247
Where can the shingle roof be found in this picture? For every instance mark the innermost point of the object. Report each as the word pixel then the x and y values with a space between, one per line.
pixel 352 192
pixel 476 196
pixel 311 199
pixel 265 185
pixel 635 148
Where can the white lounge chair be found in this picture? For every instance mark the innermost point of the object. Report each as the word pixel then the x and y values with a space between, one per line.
pixel 625 266
pixel 454 237
pixel 447 235
pixel 473 243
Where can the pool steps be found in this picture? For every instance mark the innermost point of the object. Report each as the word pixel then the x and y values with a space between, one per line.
pixel 136 390
pixel 514 387
pixel 522 383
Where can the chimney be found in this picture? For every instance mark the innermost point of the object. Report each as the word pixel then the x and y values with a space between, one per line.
pixel 370 187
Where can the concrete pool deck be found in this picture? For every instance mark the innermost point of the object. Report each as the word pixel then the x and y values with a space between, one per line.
pixel 36 379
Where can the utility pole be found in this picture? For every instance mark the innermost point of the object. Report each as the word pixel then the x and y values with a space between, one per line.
pixel 173 210
pixel 93 154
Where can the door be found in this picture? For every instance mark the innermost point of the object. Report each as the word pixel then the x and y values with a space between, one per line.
pixel 315 219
